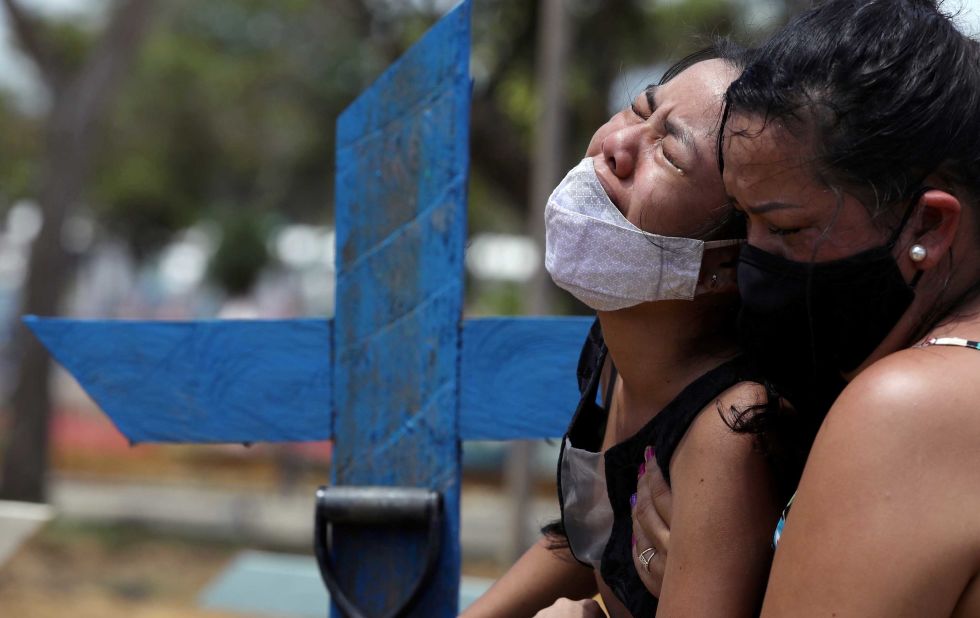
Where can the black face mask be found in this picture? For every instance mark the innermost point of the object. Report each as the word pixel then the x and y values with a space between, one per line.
pixel 806 323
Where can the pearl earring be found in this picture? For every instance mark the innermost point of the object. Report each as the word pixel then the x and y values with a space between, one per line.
pixel 917 253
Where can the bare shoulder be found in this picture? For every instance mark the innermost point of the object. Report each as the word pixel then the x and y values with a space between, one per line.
pixel 879 522
pixel 902 439
pixel 711 440
pixel 922 397
pixel 713 428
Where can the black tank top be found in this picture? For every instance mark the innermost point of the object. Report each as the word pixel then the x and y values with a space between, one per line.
pixel 663 432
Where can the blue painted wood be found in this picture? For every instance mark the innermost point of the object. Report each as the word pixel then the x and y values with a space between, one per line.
pixel 402 164
pixel 211 381
pixel 519 377
pixel 273 380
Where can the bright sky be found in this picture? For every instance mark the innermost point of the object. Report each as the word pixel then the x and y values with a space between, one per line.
pixel 16 73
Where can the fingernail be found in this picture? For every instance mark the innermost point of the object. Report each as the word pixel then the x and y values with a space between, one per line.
pixel 633 500
pixel 648 453
pixel 643 469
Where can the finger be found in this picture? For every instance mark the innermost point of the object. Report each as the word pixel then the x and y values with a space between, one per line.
pixel 645 515
pixel 657 487
pixel 566 608
pixel 591 609
pixel 651 573
pixel 557 609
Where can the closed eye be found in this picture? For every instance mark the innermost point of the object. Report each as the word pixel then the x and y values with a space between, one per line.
pixel 667 156
pixel 775 230
pixel 781 231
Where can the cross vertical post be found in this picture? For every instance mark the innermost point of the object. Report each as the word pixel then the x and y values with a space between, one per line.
pixel 402 165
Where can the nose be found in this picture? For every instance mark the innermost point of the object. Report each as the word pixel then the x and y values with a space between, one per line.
pixel 620 149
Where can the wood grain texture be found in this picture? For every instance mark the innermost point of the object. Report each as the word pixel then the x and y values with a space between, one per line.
pixel 402 164
pixel 200 382
pixel 519 377
pixel 268 381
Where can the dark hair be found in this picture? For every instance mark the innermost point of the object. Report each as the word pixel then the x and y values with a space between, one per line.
pixel 783 434
pixel 887 92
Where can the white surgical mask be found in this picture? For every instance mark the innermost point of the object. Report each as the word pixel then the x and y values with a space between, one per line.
pixel 594 252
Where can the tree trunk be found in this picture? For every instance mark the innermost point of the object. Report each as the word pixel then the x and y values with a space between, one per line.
pixel 26 456
pixel 549 144
pixel 79 103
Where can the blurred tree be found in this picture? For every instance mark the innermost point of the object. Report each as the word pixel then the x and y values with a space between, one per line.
pixel 231 105
pixel 792 7
pixel 234 101
pixel 19 151
pixel 81 78
pixel 241 254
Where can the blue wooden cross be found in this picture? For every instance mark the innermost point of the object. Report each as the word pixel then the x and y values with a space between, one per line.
pixel 398 379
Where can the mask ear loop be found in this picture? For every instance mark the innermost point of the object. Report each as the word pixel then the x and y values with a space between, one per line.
pixel 901 226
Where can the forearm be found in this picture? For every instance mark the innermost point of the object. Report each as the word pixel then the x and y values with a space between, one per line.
pixel 537 580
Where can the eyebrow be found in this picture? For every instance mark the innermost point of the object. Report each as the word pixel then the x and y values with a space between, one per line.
pixel 650 92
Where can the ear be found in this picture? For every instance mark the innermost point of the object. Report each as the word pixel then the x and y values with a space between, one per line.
pixel 933 228
pixel 718 269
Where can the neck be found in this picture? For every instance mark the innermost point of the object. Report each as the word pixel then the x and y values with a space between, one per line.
pixel 659 348
pixel 942 287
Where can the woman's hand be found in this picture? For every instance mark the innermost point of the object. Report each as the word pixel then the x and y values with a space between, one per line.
pixel 651 524
pixel 566 608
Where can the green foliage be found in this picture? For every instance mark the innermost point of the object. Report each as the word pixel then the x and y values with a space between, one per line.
pixel 234 102
pixel 20 140
pixel 231 102
pixel 688 26
pixel 242 253
pixel 517 98
pixel 499 299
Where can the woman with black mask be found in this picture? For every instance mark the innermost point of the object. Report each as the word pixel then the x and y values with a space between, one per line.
pixel 852 146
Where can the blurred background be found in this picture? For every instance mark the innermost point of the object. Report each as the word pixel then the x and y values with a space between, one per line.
pixel 173 159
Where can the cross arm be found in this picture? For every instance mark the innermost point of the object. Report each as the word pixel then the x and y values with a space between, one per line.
pixel 270 381
pixel 200 382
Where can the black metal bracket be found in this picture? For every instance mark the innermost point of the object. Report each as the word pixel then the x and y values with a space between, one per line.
pixel 376 506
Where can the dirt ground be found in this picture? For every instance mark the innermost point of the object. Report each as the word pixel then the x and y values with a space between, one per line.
pixel 128 571
pixel 113 571
pixel 110 572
